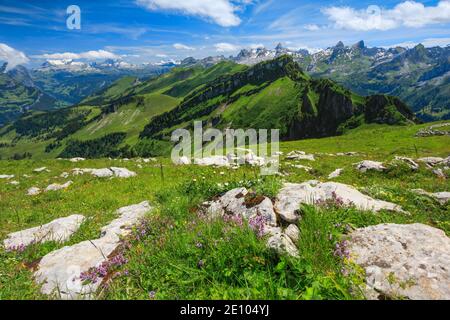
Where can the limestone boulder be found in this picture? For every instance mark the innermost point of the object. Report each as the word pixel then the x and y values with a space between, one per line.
pixel 292 195
pixel 59 230
pixel 59 272
pixel 403 261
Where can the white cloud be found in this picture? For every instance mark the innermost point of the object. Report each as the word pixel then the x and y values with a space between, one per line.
pixel 429 42
pixel 226 47
pixel 12 56
pixel 311 27
pixel 88 55
pixel 256 46
pixel 407 14
pixel 221 12
pixel 180 46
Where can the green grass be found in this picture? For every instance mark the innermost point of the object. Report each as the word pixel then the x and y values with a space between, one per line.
pixel 236 264
pixel 129 118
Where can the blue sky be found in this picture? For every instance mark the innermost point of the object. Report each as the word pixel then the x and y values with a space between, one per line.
pixel 153 30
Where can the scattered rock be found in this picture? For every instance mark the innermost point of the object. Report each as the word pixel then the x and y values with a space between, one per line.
pixel 218 161
pixel 431 131
pixel 59 230
pixel 59 272
pixel 431 161
pixel 282 244
pixel 123 172
pixel 102 173
pixel 105 172
pixel 366 165
pixel 288 201
pixel 300 155
pixel 441 197
pixel 6 176
pixel 336 173
pixel 38 170
pixel 182 161
pixel 409 261
pixel 293 232
pixel 440 173
pixel 78 159
pixel 14 183
pixel 33 191
pixel 64 175
pixel 410 162
pixel 57 186
pixel 239 202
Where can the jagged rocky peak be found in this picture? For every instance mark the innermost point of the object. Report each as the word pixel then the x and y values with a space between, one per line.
pixel 359 45
pixel 3 67
pixel 20 74
pixel 340 45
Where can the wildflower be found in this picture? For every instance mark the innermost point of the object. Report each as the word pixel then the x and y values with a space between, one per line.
pixel 257 224
pixel 199 245
pixel 200 264
pixel 152 295
pixel 341 250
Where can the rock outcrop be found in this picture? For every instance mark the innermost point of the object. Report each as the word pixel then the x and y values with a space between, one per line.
pixel 403 261
pixel 106 172
pixel 57 186
pixel 292 195
pixel 59 230
pixel 59 272
pixel 367 165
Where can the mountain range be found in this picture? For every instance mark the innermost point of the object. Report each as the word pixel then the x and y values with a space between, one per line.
pixel 62 83
pixel 136 117
pixel 419 76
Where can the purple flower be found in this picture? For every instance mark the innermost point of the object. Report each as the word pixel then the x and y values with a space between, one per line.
pixel 152 295
pixel 199 245
pixel 200 264
pixel 341 250
pixel 257 224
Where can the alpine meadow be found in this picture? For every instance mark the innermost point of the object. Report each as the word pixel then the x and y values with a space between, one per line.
pixel 321 170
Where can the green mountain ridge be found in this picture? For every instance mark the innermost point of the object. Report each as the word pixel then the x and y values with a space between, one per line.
pixel 138 117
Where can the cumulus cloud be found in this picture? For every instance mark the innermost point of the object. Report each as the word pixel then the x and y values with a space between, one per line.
pixel 88 55
pixel 311 27
pixel 256 46
pixel 406 14
pixel 226 47
pixel 222 12
pixel 180 46
pixel 12 56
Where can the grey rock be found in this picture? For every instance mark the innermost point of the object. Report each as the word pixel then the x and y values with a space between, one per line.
pixel 59 271
pixel 367 165
pixel 282 244
pixel 409 261
pixel 57 186
pixel 410 162
pixel 59 230
pixel 432 161
pixel 292 195
pixel 122 172
pixel 33 191
pixel 293 232
pixel 336 173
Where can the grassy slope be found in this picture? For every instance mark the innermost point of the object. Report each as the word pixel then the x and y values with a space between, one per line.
pixel 129 118
pixel 237 265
